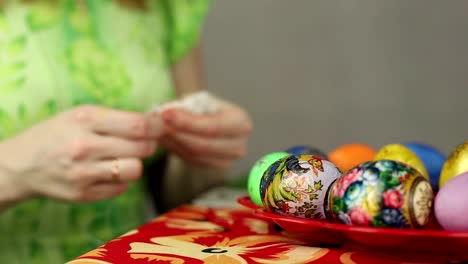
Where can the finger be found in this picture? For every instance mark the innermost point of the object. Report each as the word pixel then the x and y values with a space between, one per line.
pixel 158 126
pixel 102 147
pixel 117 122
pixel 225 148
pixel 230 121
pixel 201 161
pixel 101 191
pixel 111 171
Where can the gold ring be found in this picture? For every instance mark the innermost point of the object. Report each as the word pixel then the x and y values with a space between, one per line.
pixel 115 170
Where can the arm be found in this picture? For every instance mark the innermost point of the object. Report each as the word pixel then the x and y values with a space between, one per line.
pixel 187 74
pixel 71 162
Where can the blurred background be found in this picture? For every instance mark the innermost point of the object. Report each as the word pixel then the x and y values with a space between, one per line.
pixel 325 73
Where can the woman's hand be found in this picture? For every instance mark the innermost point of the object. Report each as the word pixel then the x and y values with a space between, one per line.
pixel 207 140
pixel 85 154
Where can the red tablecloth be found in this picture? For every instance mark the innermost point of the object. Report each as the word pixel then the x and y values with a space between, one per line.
pixel 193 234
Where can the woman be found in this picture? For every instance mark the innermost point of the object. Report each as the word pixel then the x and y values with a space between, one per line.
pixel 76 80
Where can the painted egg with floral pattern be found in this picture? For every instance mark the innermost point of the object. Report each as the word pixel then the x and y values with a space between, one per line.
pixel 383 193
pixel 297 185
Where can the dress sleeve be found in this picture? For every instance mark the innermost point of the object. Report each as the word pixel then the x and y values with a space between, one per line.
pixel 184 21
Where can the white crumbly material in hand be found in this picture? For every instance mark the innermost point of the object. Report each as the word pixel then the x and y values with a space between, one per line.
pixel 198 103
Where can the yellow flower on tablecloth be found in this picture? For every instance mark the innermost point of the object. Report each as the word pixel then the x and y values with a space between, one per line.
pixel 98 252
pixel 226 215
pixel 130 233
pixel 182 215
pixel 192 225
pixel 185 212
pixel 257 226
pixel 216 248
pixel 87 261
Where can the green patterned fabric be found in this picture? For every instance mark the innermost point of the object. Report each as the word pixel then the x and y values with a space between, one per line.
pixel 58 54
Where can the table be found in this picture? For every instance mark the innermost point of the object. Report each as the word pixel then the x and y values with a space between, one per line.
pixel 198 234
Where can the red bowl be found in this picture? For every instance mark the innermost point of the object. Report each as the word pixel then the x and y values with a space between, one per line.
pixel 431 241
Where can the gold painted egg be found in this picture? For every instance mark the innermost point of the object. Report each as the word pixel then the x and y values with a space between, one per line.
pixel 399 152
pixel 456 164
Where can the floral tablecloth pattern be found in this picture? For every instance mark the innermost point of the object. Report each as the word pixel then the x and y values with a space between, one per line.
pixel 195 234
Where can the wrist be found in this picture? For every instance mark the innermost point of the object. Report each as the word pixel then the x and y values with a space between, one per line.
pixel 12 189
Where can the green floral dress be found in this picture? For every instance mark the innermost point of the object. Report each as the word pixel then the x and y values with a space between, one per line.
pixel 58 54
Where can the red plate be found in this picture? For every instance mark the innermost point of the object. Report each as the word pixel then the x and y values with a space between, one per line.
pixel 431 241
pixel 247 202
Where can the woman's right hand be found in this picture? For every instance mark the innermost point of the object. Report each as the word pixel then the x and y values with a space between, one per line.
pixel 75 155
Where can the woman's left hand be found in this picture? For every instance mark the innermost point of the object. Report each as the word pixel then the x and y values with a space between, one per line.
pixel 208 140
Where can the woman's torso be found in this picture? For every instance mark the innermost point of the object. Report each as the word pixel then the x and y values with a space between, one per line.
pixel 58 54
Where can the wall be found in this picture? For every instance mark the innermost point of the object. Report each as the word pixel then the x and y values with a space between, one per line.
pixel 325 73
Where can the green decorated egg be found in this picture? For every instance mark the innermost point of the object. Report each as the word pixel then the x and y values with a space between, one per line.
pixel 255 175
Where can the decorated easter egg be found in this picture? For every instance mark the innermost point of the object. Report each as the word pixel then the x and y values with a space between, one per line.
pixel 306 150
pixel 256 173
pixel 432 158
pixel 398 152
pixel 297 185
pixel 451 204
pixel 456 164
pixel 350 155
pixel 383 193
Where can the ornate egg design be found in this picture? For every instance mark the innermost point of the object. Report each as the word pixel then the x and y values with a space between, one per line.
pixel 296 186
pixel 383 193
pixel 306 150
pixel 256 173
